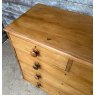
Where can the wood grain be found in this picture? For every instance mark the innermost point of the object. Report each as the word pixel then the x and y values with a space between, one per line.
pixel 46 55
pixel 61 87
pixel 61 42
pixel 69 65
pixel 73 78
pixel 72 30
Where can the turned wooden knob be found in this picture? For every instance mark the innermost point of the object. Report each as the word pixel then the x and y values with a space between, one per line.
pixel 38 85
pixel 35 52
pixel 36 66
pixel 37 76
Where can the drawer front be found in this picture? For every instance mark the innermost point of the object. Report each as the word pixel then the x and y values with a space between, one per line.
pixel 47 79
pixel 46 55
pixel 71 78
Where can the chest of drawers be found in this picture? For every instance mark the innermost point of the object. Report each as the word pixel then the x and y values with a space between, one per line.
pixel 54 49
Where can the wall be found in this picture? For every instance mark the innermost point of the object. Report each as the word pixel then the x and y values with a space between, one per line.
pixel 12 9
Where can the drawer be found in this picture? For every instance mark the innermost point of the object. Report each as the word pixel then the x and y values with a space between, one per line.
pixel 45 54
pixel 48 88
pixel 41 84
pixel 47 79
pixel 73 78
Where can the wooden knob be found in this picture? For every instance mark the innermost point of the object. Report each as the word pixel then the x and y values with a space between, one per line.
pixel 38 85
pixel 36 66
pixel 35 52
pixel 37 76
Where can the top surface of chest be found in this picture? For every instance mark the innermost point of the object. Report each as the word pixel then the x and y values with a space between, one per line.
pixel 64 31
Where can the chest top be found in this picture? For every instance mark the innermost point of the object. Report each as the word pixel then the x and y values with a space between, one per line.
pixel 64 31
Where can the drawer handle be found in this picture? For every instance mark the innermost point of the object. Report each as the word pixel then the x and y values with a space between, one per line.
pixel 38 85
pixel 37 76
pixel 35 52
pixel 36 66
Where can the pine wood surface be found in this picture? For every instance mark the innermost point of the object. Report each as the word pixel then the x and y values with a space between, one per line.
pixel 68 32
pixel 80 74
pixel 52 81
pixel 64 42
pixel 45 54
pixel 80 77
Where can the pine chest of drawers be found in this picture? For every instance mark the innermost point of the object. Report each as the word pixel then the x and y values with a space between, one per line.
pixel 54 49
